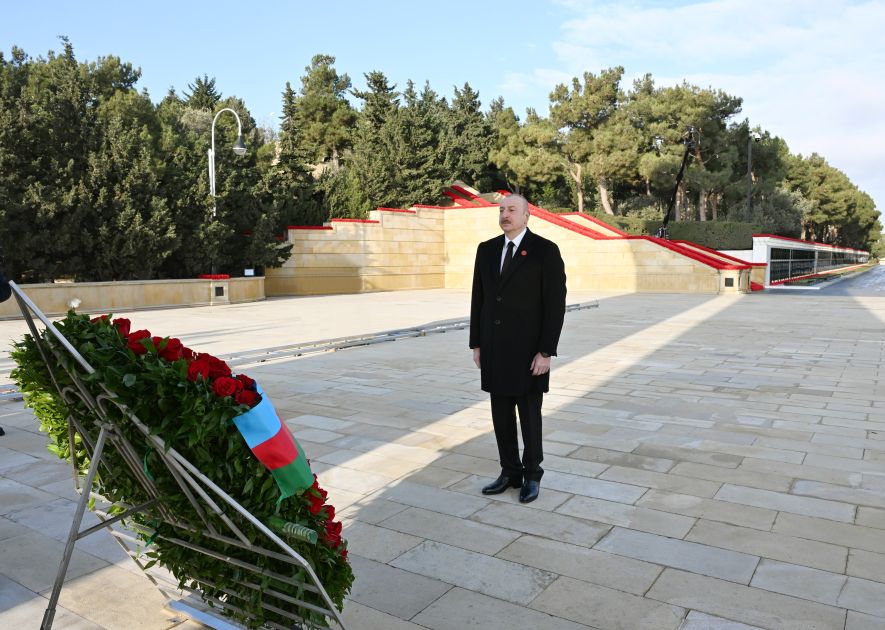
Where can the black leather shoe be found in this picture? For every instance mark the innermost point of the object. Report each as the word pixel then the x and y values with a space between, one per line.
pixel 529 492
pixel 500 484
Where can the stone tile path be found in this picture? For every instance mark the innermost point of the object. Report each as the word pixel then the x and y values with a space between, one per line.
pixel 712 463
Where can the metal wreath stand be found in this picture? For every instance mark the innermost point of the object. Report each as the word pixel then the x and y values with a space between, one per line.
pixel 107 413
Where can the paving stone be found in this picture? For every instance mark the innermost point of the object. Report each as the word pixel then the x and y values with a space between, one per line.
pixel 451 530
pixel 436 477
pixel 766 481
pixel 369 462
pixel 775 546
pixel 802 471
pixel 371 510
pixel 661 481
pixel 9 528
pixel 589 565
pixel 393 591
pixel 460 609
pixel 575 484
pixel 860 621
pixel 475 571
pixel 606 608
pixel 470 465
pixel 752 606
pixel 840 493
pixel 377 543
pixel 803 582
pixel 639 518
pixel 356 481
pixel 356 615
pixel 844 463
pixel 699 558
pixel 319 422
pixel 825 530
pixel 811 447
pixel 115 597
pixel 434 499
pixel 18 496
pixel 35 558
pixel 701 621
pixel 787 503
pixel 629 460
pixel 23 609
pixel 524 519
pixel 866 564
pixel 864 596
pixel 870 517
pixel 573 466
pixel 710 509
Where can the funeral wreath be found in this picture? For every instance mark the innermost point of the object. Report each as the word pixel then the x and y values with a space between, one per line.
pixel 225 425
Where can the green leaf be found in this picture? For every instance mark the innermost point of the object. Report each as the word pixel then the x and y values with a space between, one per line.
pixel 129 380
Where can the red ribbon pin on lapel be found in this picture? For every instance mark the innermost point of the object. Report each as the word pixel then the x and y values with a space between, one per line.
pixel 523 252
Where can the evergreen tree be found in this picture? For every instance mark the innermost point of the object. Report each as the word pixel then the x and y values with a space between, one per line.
pixel 468 139
pixel 325 118
pixel 203 94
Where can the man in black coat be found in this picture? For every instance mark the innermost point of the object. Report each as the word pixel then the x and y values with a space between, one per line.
pixel 516 314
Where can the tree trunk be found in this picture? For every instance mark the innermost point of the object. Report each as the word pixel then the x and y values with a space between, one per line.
pixel 702 205
pixel 680 199
pixel 647 187
pixel 714 206
pixel 578 176
pixel 603 196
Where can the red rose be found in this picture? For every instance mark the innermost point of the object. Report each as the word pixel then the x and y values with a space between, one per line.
pixel 330 512
pixel 344 554
pixel 246 397
pixel 198 369
pixel 172 351
pixel 123 325
pixel 332 535
pixel 247 382
pixel 218 368
pixel 316 503
pixel 224 386
pixel 187 354
pixel 100 318
pixel 158 341
pixel 134 341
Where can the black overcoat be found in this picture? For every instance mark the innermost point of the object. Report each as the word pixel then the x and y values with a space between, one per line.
pixel 514 317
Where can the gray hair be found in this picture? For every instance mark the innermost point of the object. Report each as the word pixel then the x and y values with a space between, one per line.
pixel 522 201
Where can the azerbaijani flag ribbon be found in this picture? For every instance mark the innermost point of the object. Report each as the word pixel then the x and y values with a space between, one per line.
pixel 275 447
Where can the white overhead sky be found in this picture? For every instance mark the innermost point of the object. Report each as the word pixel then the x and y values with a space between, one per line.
pixel 811 72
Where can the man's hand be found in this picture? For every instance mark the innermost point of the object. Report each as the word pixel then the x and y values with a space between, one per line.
pixel 540 365
pixel 476 357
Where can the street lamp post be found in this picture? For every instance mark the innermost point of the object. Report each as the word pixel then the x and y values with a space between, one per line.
pixel 753 137
pixel 239 149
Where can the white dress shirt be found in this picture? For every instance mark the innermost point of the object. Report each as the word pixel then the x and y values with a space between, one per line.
pixel 516 241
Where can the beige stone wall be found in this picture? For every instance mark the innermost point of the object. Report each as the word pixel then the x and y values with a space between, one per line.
pixel 435 248
pixel 102 297
pixel 603 265
pixel 400 251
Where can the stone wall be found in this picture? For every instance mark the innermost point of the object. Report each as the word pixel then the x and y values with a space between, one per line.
pixel 103 297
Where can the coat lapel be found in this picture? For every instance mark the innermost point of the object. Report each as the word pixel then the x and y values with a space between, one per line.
pixel 518 257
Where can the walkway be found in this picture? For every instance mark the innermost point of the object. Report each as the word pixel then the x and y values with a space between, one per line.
pixel 708 459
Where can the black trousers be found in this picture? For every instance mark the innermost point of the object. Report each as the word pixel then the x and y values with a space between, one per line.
pixel 504 418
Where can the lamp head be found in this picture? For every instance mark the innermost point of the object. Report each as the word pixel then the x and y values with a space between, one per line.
pixel 240 146
pixel 756 137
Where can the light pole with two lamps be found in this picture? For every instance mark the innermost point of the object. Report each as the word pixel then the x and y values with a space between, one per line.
pixel 239 148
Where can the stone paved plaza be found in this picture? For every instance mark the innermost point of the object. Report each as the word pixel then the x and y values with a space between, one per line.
pixel 712 463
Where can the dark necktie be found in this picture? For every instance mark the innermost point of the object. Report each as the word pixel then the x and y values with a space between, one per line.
pixel 507 258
